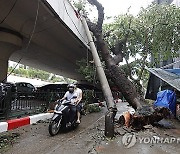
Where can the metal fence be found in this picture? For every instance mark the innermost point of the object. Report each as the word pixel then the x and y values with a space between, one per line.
pixel 18 104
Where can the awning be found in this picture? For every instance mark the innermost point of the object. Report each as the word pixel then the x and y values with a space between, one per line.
pixel 170 76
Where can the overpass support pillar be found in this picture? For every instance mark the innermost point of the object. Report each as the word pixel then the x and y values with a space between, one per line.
pixel 10 41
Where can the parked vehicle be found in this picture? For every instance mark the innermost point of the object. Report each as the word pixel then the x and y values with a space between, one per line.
pixel 25 88
pixel 63 87
pixel 61 118
pixel 4 88
pixel 53 88
pixel 2 95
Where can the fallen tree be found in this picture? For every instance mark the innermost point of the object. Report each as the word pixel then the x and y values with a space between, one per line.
pixel 112 56
pixel 117 75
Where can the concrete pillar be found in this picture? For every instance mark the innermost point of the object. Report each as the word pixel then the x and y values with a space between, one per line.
pixel 3 69
pixel 9 42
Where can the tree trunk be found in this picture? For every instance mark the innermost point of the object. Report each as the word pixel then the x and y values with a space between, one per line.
pixel 144 114
pixel 117 75
pixel 126 87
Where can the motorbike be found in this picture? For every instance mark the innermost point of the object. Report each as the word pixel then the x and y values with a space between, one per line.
pixel 61 118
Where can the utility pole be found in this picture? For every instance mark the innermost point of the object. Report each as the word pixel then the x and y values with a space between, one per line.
pixel 109 118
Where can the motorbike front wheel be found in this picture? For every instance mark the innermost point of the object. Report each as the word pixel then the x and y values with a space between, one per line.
pixel 54 127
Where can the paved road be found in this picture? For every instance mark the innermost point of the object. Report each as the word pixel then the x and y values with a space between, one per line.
pixel 89 139
pixel 35 139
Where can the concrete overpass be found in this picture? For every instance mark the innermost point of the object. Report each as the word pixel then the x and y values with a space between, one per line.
pixel 44 34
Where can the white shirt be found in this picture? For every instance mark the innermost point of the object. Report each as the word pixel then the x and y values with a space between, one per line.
pixel 79 92
pixel 70 96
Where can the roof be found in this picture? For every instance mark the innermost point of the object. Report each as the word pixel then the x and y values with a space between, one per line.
pixel 170 76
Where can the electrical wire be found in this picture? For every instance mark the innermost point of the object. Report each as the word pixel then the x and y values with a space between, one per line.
pixel 73 22
pixel 30 38
pixel 34 27
pixel 9 12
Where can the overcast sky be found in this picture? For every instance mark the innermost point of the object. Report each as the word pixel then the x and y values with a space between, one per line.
pixel 116 7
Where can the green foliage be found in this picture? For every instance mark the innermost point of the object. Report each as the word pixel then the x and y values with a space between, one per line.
pixel 153 33
pixel 161 23
pixel 80 5
pixel 56 79
pixel 88 96
pixel 68 80
pixel 34 73
pixel 87 69
pixel 93 108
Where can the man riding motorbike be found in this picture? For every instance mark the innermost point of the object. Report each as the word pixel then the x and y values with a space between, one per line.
pixel 71 96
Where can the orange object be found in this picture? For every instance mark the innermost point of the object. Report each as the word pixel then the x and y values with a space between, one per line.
pixel 127 117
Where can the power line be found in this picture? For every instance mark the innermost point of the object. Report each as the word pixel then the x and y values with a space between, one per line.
pixel 34 27
pixel 30 38
pixel 9 12
pixel 74 23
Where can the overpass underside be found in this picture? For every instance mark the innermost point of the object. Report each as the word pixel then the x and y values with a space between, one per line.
pixel 56 44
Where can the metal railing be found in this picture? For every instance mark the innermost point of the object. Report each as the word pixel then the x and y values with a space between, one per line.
pixel 19 104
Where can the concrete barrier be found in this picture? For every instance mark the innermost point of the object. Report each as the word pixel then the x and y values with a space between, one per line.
pixel 15 123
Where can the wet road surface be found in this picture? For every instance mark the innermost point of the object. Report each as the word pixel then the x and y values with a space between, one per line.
pixel 35 139
pixel 89 139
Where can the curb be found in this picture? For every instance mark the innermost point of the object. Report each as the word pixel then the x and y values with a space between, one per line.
pixel 15 123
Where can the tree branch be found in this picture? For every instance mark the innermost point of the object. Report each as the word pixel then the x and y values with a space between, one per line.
pixel 100 9
pixel 101 44
pixel 142 68
pixel 118 50
pixel 145 56
pixel 118 58
pixel 92 26
pixel 129 69
pixel 120 45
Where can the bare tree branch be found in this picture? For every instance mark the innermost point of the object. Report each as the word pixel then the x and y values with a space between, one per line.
pixel 118 58
pixel 105 50
pixel 92 26
pixel 145 56
pixel 120 45
pixel 142 67
pixel 129 69
pixel 100 9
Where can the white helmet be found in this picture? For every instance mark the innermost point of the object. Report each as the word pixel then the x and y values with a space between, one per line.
pixel 71 88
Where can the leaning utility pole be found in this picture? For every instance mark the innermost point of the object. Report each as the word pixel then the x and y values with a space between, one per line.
pixel 109 118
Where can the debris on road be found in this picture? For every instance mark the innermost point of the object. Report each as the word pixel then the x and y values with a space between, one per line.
pixel 144 116
pixel 7 140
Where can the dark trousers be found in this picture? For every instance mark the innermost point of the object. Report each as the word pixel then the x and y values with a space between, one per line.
pixel 72 114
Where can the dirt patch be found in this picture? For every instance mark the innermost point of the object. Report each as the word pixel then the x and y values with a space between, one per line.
pixel 7 140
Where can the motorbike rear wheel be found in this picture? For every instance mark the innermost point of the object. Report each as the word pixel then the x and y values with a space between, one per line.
pixel 54 128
